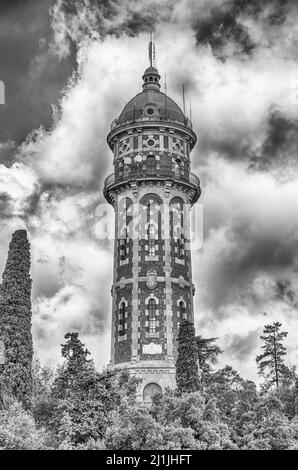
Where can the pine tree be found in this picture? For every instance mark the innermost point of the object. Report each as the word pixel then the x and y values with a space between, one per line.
pixel 187 376
pixel 208 352
pixel 271 361
pixel 84 399
pixel 15 321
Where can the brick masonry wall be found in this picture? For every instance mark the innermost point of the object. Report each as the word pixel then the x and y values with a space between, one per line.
pixel 123 347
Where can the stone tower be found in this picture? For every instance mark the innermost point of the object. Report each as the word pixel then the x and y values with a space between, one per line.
pixel 151 190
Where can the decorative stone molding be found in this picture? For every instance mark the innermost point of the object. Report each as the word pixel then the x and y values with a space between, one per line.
pixel 135 190
pixel 123 300
pixel 151 296
pixel 151 282
pixel 152 348
pixel 167 188
pixel 181 282
pixel 181 299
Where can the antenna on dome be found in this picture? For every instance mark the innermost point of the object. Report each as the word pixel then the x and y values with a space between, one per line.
pixel 166 100
pixel 151 51
pixel 183 97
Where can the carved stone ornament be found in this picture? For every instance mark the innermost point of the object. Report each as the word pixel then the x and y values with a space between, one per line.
pixel 152 348
pixel 181 282
pixel 151 282
pixel 167 188
pixel 122 282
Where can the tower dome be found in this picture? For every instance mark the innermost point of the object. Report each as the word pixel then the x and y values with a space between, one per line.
pixel 152 103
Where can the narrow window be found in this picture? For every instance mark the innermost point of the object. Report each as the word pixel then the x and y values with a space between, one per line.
pixel 135 142
pixel 152 316
pixel 182 310
pixel 166 142
pixel 122 319
pixel 124 246
pixel 177 167
pixel 180 245
pixel 151 165
pixel 151 240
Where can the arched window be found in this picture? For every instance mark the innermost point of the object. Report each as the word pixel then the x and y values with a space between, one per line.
pixel 151 240
pixel 121 319
pixel 177 217
pixel 152 315
pixel 177 226
pixel 150 390
pixel 150 214
pixel 182 311
pixel 125 222
pixel 178 167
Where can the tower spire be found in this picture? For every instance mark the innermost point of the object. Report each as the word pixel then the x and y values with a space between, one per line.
pixel 151 51
pixel 151 76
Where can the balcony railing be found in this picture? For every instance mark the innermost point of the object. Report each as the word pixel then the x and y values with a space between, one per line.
pixel 190 180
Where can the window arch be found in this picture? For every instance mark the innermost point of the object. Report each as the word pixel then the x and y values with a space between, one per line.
pixel 150 390
pixel 152 315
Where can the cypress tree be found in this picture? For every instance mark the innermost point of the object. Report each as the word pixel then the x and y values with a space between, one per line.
pixel 187 375
pixel 296 396
pixel 15 321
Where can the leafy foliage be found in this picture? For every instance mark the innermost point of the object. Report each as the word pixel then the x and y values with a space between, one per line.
pixel 136 429
pixel 18 430
pixel 43 404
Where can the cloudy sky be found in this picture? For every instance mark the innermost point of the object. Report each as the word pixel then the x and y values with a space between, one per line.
pixel 68 68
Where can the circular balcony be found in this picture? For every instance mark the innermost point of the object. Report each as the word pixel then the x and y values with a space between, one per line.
pixel 190 181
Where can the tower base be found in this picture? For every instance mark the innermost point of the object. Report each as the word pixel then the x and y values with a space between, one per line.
pixel 155 377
